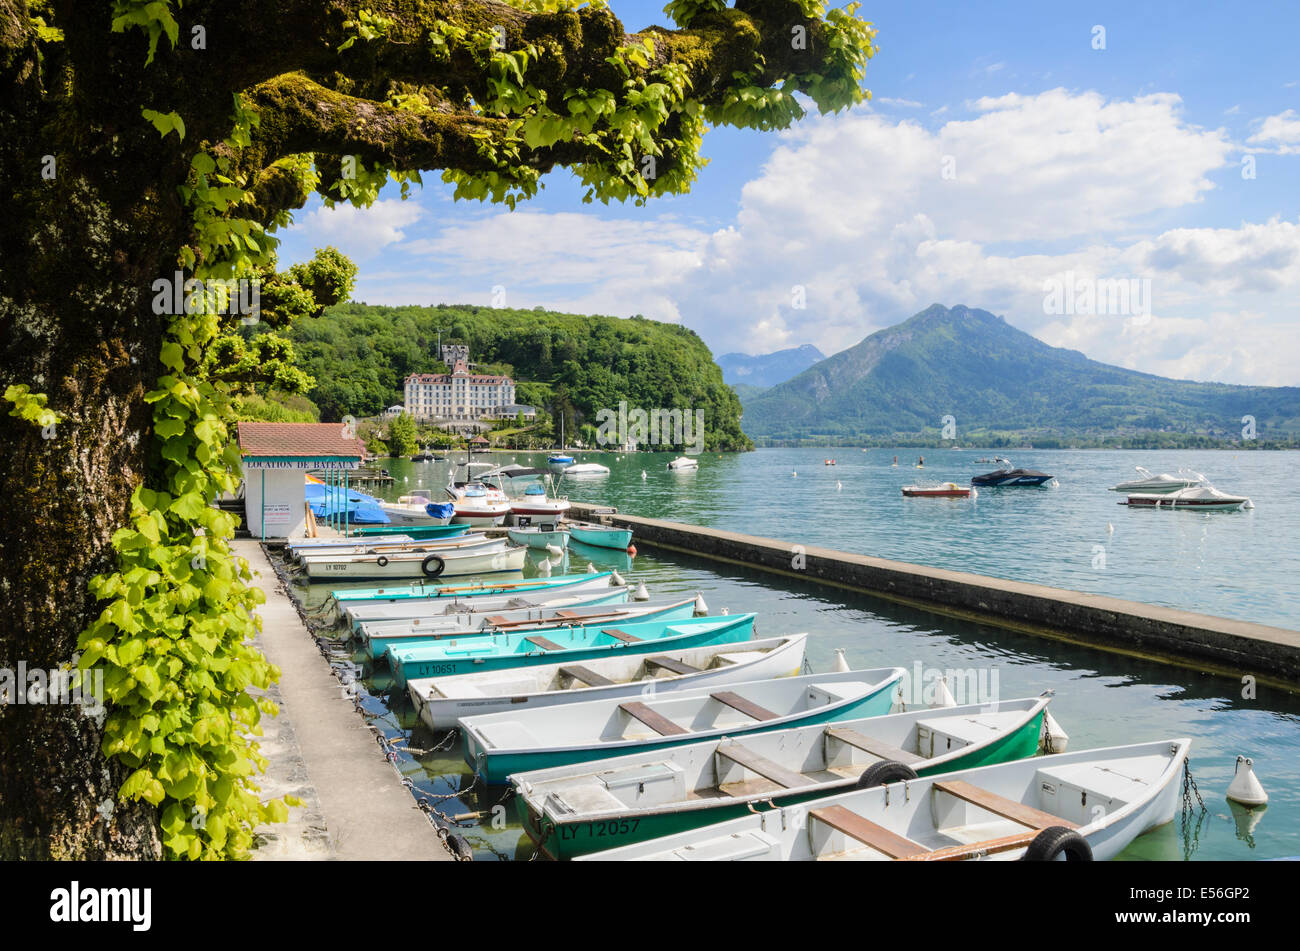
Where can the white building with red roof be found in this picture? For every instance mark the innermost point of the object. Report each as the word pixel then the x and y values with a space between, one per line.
pixel 458 396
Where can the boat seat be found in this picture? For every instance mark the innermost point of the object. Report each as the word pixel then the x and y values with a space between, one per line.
pixel 583 675
pixel 544 643
pixel 749 709
pixel 623 636
pixel 972 850
pixel 868 832
pixel 763 766
pixel 869 744
pixel 497 619
pixel 566 613
pixel 1002 806
pixel 655 721
pixel 669 663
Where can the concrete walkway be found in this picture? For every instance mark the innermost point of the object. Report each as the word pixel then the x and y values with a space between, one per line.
pixel 321 750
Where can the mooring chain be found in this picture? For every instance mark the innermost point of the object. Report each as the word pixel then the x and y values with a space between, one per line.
pixel 1191 833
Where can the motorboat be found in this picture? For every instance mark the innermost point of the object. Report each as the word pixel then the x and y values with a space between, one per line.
pixel 546 536
pixel 683 463
pixel 1203 498
pixel 418 508
pixel 1007 476
pixel 586 469
pixel 560 460
pixel 944 490
pixel 477 503
pixel 1160 484
pixel 535 503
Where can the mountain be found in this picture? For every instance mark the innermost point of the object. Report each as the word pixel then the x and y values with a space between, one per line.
pixel 995 379
pixel 769 369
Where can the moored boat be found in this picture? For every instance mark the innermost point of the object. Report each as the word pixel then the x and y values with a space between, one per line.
pixel 1007 476
pixel 544 536
pixel 535 503
pixel 683 464
pixel 413 531
pixel 572 810
pixel 411 613
pixel 478 504
pixel 585 469
pixel 602 536
pixel 944 490
pixel 571 645
pixel 1200 498
pixel 1160 484
pixel 442 701
pixel 499 744
pixel 425 592
pixel 446 564
pixel 1085 805
pixel 417 508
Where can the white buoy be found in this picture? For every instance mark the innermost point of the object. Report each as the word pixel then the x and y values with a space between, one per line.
pixel 641 594
pixel 839 486
pixel 591 569
pixel 700 606
pixel 841 664
pixel 555 550
pixel 794 475
pixel 943 696
pixel 1054 739
pixel 1246 788
pixel 643 473
pixel 616 578
pixel 1110 529
pixel 726 610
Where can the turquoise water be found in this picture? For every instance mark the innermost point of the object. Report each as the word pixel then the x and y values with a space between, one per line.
pixel 1232 563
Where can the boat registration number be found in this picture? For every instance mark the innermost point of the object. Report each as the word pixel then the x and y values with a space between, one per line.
pixel 596 830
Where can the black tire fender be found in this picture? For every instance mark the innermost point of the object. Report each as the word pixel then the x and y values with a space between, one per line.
pixel 432 566
pixel 459 847
pixel 382 561
pixel 1055 841
pixel 888 771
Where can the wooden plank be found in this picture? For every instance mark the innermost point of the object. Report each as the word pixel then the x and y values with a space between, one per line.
pixel 869 744
pixel 543 643
pixel 623 636
pixel 763 766
pixel 655 721
pixel 868 832
pixel 972 850
pixel 565 612
pixel 676 666
pixel 737 702
pixel 497 619
pixel 1001 806
pixel 583 675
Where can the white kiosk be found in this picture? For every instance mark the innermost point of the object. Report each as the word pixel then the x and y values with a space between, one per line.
pixel 276 458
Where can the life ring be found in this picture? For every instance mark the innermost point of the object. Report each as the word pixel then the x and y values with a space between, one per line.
pixel 1055 841
pixel 432 560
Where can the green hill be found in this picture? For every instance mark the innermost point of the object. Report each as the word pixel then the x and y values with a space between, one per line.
pixel 995 379
pixel 360 354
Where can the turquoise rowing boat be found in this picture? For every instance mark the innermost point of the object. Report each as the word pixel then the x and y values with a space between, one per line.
pixel 467 588
pixel 464 655
pixel 415 531
pixel 600 535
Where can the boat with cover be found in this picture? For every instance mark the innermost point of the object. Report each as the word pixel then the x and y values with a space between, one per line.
pixel 378 637
pixel 480 560
pixel 442 701
pixel 571 645
pixel 1160 484
pixel 585 469
pixel 944 490
pixel 411 613
pixel 424 592
pixel 1007 476
pixel 1200 498
pixel 683 463
pixel 602 536
pixel 478 504
pixel 500 744
pixel 573 810
pixel 418 508
pixel 544 536
pixel 1089 804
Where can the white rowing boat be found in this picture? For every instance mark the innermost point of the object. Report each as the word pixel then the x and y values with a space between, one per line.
pixel 478 561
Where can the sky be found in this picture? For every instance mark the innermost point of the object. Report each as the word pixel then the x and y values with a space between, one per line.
pixel 1023 158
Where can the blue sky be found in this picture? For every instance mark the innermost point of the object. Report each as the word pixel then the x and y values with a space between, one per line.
pixel 1001 156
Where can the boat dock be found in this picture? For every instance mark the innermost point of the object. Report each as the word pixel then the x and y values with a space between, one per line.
pixel 322 751
pixel 1203 642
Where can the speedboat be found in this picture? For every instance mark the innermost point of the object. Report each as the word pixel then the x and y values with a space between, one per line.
pixel 945 490
pixel 1160 484
pixel 418 509
pixel 560 461
pixel 478 504
pixel 586 469
pixel 1006 476
pixel 683 463
pixel 536 503
pixel 1204 498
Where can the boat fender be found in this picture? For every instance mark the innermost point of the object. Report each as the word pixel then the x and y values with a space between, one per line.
pixel 1055 841
pixel 1246 787
pixel 631 550
pixel 458 847
pixel 432 566
pixel 886 771
pixel 382 561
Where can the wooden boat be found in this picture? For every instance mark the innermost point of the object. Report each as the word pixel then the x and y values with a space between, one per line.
pixel 602 536
pixel 944 490
pixel 573 810
pixel 542 536
pixel 1086 804
pixel 571 645
pixel 414 531
pixel 499 744
pixel 1199 498
pixel 422 591
pixel 397 616
pixel 379 637
pixel 476 561
pixel 442 701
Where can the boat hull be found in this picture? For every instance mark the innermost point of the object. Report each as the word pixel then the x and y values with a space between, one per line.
pixel 539 540
pixel 415 531
pixel 493 562
pixel 616 538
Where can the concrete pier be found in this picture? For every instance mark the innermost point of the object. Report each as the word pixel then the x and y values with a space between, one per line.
pixel 1201 641
pixel 321 750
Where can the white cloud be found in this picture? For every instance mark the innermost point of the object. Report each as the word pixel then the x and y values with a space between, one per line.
pixel 361 233
pixel 1279 133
